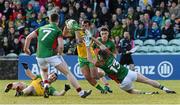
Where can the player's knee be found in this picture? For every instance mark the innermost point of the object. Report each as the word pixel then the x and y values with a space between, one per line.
pixel 88 77
pixel 98 75
pixel 101 74
pixel 95 76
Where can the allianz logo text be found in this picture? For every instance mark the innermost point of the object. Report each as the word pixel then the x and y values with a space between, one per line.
pixel 165 69
pixel 77 71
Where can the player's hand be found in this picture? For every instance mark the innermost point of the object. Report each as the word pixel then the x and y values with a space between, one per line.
pixel 67 87
pixel 27 51
pixel 65 28
pixel 128 52
pixel 60 51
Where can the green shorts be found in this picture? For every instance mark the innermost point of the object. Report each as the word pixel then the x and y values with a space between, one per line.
pixel 84 61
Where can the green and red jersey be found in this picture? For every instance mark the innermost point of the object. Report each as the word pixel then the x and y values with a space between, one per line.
pixel 47 40
pixel 111 66
pixel 109 44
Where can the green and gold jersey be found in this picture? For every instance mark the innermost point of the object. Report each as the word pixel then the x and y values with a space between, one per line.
pixel 81 48
pixel 108 63
pixel 37 83
pixel 47 40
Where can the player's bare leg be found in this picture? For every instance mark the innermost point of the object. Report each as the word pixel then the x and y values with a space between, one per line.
pixel 27 91
pixel 97 73
pixel 94 72
pixel 64 69
pixel 86 72
pixel 134 91
pixel 44 75
pixel 63 92
pixel 14 86
pixel 106 87
pixel 104 80
pixel 66 88
pixel 141 78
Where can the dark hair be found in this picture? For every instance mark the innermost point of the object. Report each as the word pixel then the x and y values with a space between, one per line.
pixel 174 1
pixel 86 21
pixel 104 54
pixel 104 29
pixel 56 75
pixel 54 17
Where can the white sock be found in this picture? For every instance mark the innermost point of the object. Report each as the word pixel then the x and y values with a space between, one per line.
pixel 164 88
pixel 46 85
pixel 81 93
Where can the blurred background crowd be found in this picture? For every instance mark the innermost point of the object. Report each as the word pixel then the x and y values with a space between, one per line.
pixel 143 19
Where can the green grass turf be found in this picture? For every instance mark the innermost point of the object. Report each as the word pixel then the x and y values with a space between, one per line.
pixel 117 97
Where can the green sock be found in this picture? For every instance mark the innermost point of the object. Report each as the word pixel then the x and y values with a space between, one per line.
pixel 99 87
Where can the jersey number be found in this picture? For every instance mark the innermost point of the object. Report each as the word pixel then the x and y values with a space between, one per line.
pixel 115 66
pixel 47 32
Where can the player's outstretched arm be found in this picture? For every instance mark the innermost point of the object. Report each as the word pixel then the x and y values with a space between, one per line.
pixel 78 37
pixel 97 42
pixel 28 41
pixel 28 71
pixel 87 42
pixel 60 47
pixel 57 93
pixel 69 33
pixel 66 32
pixel 30 74
pixel 63 92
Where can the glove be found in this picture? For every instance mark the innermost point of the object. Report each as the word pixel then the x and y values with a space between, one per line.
pixel 87 41
pixel 67 87
pixel 88 33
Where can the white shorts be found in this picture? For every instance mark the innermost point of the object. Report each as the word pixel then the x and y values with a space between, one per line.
pixel 126 84
pixel 54 61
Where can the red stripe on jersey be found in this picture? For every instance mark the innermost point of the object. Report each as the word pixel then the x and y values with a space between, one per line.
pixel 37 35
pixel 36 32
pixel 55 43
pixel 114 77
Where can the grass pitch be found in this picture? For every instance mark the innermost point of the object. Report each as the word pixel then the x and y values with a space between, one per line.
pixel 117 97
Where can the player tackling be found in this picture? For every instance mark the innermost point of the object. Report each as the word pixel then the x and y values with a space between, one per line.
pixel 49 49
pixel 122 75
pixel 36 86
